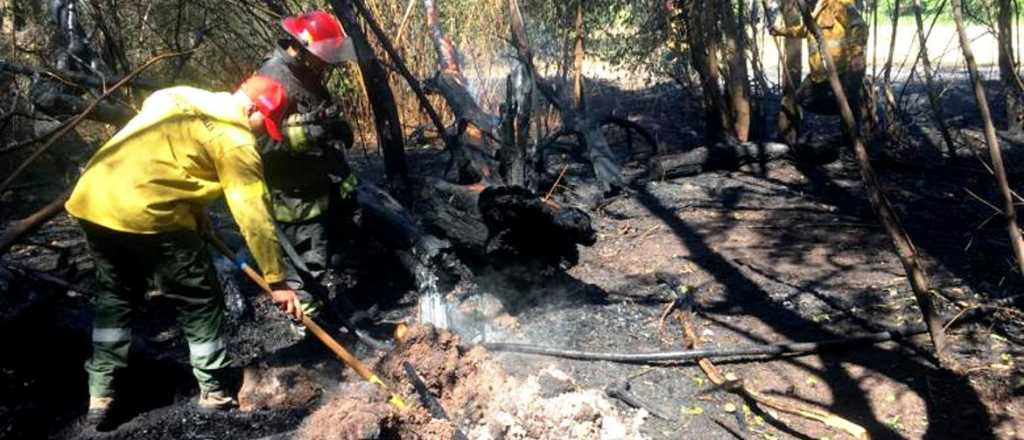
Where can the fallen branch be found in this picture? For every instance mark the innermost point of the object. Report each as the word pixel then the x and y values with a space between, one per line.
pixel 428 400
pixel 29 224
pixel 736 386
pixel 770 352
pixel 74 77
pixel 621 391
pixel 81 116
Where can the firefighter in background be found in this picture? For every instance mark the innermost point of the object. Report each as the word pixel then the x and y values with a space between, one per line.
pixel 312 188
pixel 846 36
pixel 139 202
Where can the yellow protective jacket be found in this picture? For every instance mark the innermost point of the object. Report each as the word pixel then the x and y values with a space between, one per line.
pixel 185 148
pixel 845 33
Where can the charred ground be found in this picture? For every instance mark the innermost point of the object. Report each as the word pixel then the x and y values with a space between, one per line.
pixel 776 251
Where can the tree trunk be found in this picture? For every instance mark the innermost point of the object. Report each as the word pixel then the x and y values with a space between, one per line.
pixel 738 84
pixel 894 128
pixel 579 56
pixel 382 100
pixel 1009 211
pixel 1007 68
pixel 596 149
pixel 879 202
pixel 792 59
pixel 933 95
pixel 704 55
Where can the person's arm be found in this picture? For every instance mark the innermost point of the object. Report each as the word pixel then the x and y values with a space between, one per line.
pixel 241 175
pixel 795 31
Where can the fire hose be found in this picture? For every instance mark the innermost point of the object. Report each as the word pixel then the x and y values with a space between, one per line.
pixel 348 358
pixel 784 349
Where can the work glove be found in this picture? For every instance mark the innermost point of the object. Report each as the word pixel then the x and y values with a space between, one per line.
pixel 318 127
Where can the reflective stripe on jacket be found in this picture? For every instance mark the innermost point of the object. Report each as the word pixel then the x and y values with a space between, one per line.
pixel 185 148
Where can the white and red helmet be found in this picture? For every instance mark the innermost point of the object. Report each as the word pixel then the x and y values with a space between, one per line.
pixel 322 35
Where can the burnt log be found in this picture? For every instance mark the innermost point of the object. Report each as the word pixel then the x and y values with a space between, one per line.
pixel 16 230
pixel 388 221
pixel 722 156
pixel 522 224
pixel 451 211
pixel 503 221
pixel 731 156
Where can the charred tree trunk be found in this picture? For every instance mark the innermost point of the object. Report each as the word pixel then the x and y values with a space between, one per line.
pixel 514 156
pixel 879 202
pixel 738 83
pixel 933 94
pixel 792 57
pixel 490 209
pixel 474 128
pixel 594 145
pixel 996 155
pixel 382 100
pixel 1008 69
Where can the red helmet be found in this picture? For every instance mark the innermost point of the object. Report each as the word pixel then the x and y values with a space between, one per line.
pixel 270 98
pixel 322 35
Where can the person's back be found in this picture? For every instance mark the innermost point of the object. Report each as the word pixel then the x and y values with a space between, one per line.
pixel 170 157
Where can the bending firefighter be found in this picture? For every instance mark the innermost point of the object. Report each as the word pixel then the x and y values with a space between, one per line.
pixel 137 203
pixel 312 188
pixel 846 35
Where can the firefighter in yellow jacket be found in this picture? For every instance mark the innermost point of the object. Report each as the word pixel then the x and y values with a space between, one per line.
pixel 137 203
pixel 846 36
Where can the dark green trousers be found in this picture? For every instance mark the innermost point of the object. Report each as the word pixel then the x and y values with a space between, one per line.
pixel 180 266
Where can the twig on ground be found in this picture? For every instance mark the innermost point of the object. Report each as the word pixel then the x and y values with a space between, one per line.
pixel 428 400
pixel 621 391
pixel 735 385
pixel 555 185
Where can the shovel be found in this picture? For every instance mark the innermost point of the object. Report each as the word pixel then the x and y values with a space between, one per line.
pixel 354 363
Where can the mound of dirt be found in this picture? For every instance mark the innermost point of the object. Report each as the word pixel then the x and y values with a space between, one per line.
pixel 277 388
pixel 355 411
pixel 479 396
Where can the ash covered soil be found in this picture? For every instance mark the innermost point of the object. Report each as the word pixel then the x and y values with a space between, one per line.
pixel 775 252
